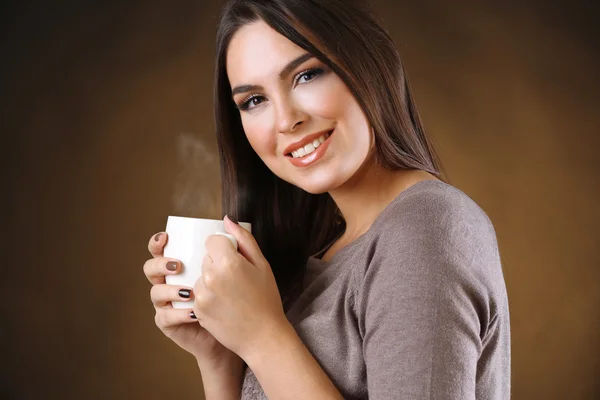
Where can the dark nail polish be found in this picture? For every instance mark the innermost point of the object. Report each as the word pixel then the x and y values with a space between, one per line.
pixel 157 237
pixel 192 315
pixel 172 266
pixel 184 293
pixel 233 219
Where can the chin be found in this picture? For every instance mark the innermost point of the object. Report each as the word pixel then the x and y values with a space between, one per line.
pixel 314 190
pixel 318 182
pixel 316 187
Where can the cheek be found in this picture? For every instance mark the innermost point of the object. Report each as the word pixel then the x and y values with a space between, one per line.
pixel 328 99
pixel 257 131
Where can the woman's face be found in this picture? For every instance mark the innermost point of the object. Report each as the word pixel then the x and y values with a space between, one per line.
pixel 299 117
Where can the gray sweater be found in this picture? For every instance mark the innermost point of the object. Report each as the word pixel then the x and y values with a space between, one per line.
pixel 415 308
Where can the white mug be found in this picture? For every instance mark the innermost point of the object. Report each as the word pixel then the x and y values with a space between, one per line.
pixel 185 242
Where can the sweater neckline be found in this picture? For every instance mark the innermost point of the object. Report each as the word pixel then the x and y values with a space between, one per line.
pixel 387 209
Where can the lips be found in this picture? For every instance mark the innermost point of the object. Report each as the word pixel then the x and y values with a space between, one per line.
pixel 306 140
pixel 313 157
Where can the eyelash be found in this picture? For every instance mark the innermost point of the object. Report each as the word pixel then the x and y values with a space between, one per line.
pixel 245 104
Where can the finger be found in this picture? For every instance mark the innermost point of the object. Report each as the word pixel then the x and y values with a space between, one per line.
pixel 208 273
pixel 219 247
pixel 168 317
pixel 203 297
pixel 247 245
pixel 162 295
pixel 155 269
pixel 157 243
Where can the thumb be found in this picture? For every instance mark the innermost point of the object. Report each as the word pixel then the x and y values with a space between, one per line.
pixel 247 245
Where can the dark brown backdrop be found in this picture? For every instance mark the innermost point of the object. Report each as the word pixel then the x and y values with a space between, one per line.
pixel 107 129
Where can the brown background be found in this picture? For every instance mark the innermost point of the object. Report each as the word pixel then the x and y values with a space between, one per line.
pixel 107 129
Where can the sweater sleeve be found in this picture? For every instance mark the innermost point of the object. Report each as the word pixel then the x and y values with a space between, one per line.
pixel 428 305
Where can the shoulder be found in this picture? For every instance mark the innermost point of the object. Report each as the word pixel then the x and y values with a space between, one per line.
pixel 431 295
pixel 434 235
pixel 435 203
pixel 435 216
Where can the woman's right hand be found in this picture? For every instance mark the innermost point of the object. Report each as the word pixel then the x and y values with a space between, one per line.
pixel 179 325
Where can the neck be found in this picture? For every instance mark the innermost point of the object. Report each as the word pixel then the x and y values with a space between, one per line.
pixel 372 188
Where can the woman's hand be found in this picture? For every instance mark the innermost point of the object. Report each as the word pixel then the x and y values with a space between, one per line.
pixel 237 299
pixel 179 325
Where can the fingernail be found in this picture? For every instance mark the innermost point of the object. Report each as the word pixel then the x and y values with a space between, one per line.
pixel 157 237
pixel 172 266
pixel 192 315
pixel 185 293
pixel 233 219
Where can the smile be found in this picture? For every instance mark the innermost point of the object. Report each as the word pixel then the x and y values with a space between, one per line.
pixel 311 152
pixel 309 148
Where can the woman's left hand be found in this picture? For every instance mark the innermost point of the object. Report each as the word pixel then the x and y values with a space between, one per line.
pixel 236 298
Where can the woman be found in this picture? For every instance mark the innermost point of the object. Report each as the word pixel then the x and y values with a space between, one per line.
pixel 367 276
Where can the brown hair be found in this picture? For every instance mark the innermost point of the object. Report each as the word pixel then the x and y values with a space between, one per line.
pixel 288 223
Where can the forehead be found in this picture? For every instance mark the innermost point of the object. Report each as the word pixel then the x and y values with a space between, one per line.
pixel 257 51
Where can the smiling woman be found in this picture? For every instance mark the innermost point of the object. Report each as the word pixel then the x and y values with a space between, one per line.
pixel 314 90
pixel 366 275
pixel 293 104
pixel 286 63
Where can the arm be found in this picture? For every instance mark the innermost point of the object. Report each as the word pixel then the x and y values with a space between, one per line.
pixel 431 307
pixel 421 336
pixel 286 369
pixel 254 325
pixel 221 369
pixel 222 380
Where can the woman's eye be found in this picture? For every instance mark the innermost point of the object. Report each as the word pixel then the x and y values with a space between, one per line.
pixel 251 103
pixel 255 100
pixel 308 75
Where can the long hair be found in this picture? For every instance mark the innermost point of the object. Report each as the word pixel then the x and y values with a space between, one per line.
pixel 289 223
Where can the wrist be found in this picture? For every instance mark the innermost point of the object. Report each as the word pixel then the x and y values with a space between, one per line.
pixel 274 339
pixel 286 369
pixel 222 377
pixel 222 360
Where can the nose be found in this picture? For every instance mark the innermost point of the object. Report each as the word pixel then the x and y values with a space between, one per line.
pixel 288 116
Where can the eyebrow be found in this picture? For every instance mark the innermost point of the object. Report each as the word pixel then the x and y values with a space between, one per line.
pixel 282 75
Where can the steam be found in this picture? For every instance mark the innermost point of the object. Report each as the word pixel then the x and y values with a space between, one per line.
pixel 197 188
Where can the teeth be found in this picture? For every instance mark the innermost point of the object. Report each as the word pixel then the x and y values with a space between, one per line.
pixel 309 148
